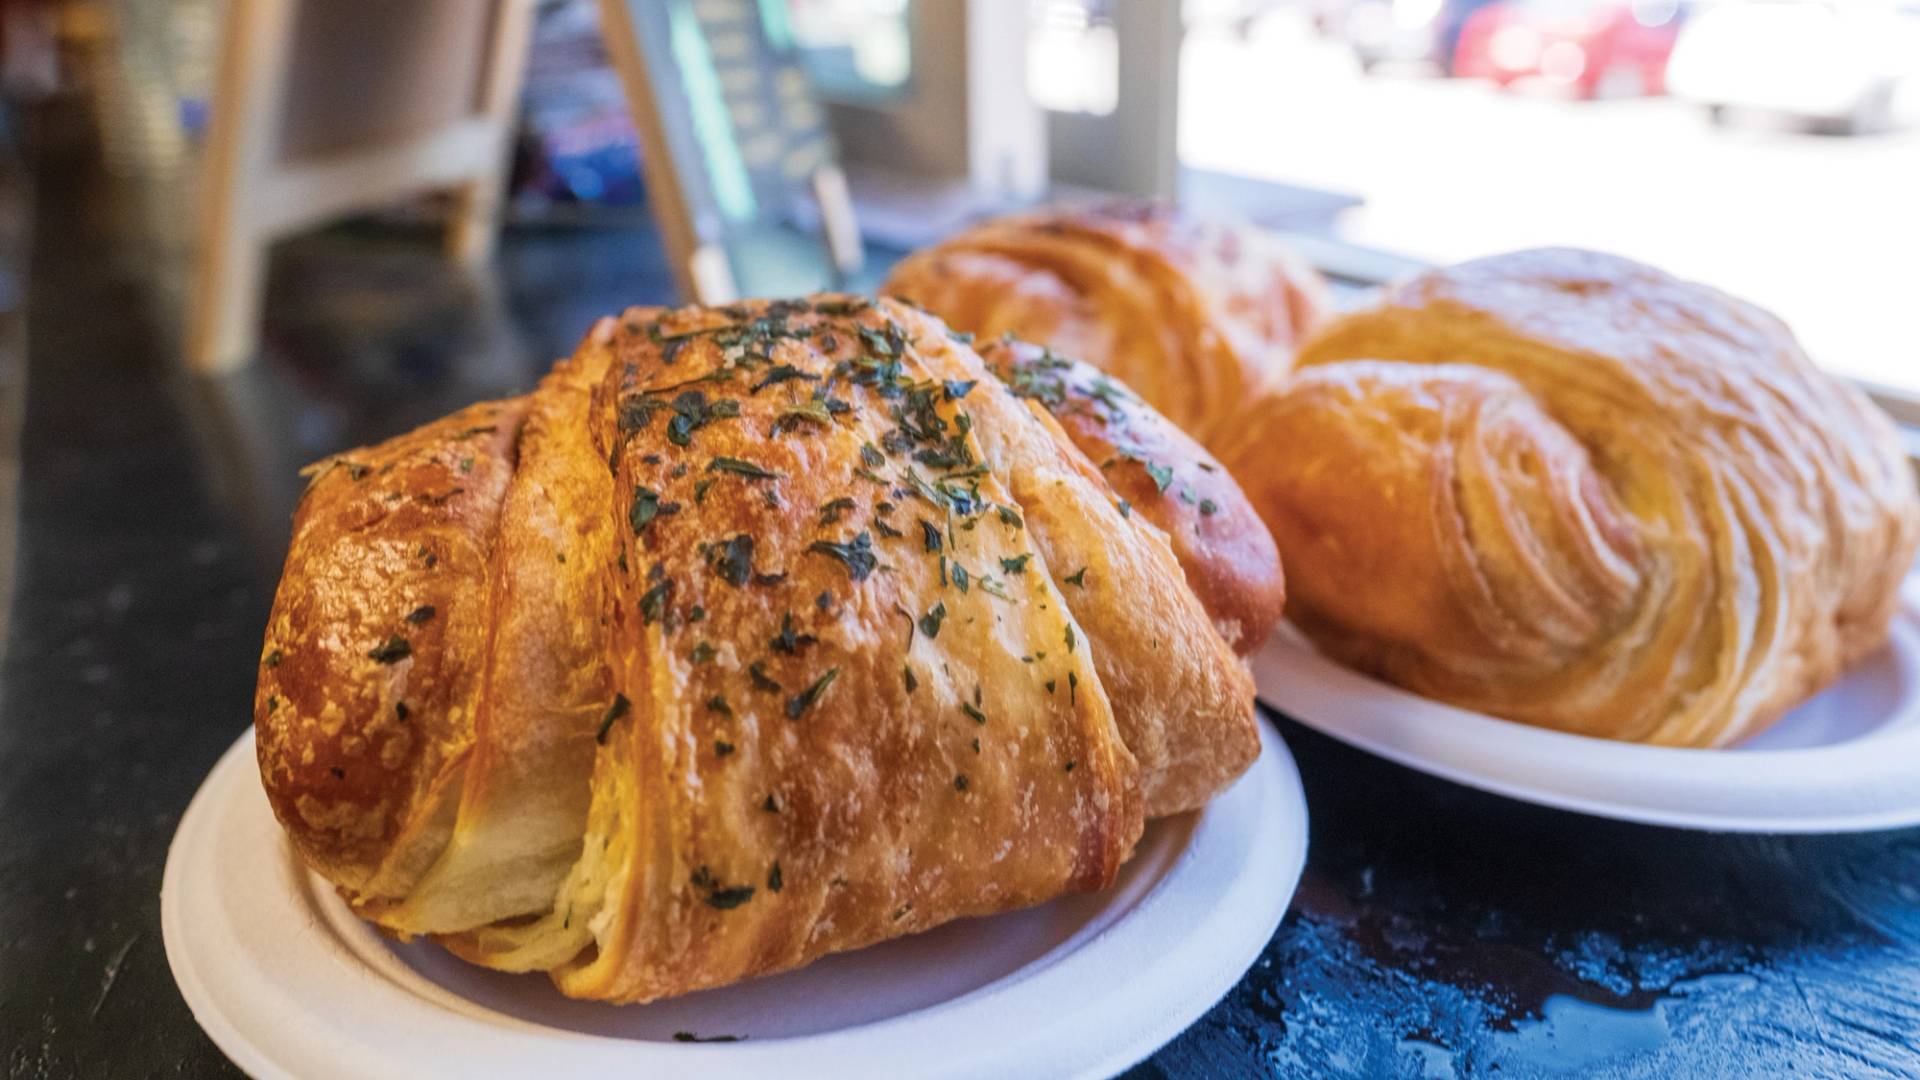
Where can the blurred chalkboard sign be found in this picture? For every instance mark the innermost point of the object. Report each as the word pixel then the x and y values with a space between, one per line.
pixel 741 170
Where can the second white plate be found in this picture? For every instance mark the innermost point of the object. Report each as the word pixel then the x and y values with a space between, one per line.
pixel 1845 760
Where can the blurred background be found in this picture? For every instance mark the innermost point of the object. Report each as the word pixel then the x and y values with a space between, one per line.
pixel 1771 147
pixel 319 222
pixel 335 220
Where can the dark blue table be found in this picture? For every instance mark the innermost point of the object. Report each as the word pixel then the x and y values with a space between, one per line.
pixel 1437 932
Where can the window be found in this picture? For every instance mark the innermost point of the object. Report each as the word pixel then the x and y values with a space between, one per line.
pixel 1073 57
pixel 853 49
pixel 1768 147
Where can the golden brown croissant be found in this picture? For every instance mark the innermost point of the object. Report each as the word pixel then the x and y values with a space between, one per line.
pixel 1161 473
pixel 1565 488
pixel 753 634
pixel 1193 314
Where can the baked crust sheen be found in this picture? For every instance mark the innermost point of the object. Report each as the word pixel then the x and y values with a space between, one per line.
pixel 1228 555
pixel 367 690
pixel 1566 488
pixel 1194 314
pixel 757 648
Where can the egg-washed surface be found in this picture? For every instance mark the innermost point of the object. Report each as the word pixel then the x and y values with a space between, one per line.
pixel 1159 471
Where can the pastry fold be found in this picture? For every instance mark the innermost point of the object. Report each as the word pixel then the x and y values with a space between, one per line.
pixel 1158 471
pixel 1568 489
pixel 753 634
pixel 1194 314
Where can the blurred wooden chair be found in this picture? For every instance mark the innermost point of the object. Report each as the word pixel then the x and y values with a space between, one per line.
pixel 325 107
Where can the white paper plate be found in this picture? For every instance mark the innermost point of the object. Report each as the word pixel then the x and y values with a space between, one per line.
pixel 290 984
pixel 1846 760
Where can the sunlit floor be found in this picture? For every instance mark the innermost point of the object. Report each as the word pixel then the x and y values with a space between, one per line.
pixel 1823 230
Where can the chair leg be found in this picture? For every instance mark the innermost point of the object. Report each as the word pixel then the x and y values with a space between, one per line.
pixel 223 320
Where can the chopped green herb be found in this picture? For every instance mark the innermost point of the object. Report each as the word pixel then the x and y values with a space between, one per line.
pixel 930 622
pixel 653 603
pixel 1162 474
pixel 960 782
pixel 912 683
pixel 780 373
pixel 273 659
pixel 718 703
pixel 420 614
pixel 617 709
pixel 646 506
pixel 757 673
pixel 1070 637
pixel 804 700
pixel 856 554
pixel 787 641
pixel 393 650
pixel 773 877
pixel 691 412
pixel 702 653
pixel 744 468
pixel 830 512
pixel 721 748
pixel 1015 565
pixel 1009 516
pixel 930 535
pixel 1208 507
pixel 973 712
pixel 1077 579
pixel 733 560
pixel 813 409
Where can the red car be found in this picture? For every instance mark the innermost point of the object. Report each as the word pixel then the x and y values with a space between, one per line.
pixel 1595 48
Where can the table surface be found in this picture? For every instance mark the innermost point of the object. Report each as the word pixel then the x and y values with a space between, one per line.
pixel 1437 932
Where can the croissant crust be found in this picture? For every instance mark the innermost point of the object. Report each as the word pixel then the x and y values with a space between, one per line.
pixel 1194 314
pixel 1569 489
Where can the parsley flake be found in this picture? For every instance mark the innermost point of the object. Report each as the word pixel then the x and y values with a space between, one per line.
pixel 617 709
pixel 393 650
pixel 801 702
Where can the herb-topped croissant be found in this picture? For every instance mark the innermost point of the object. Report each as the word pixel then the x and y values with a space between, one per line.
pixel 753 634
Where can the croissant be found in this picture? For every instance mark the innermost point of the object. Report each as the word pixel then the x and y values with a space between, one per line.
pixel 1567 489
pixel 1157 470
pixel 1194 314
pixel 751 635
